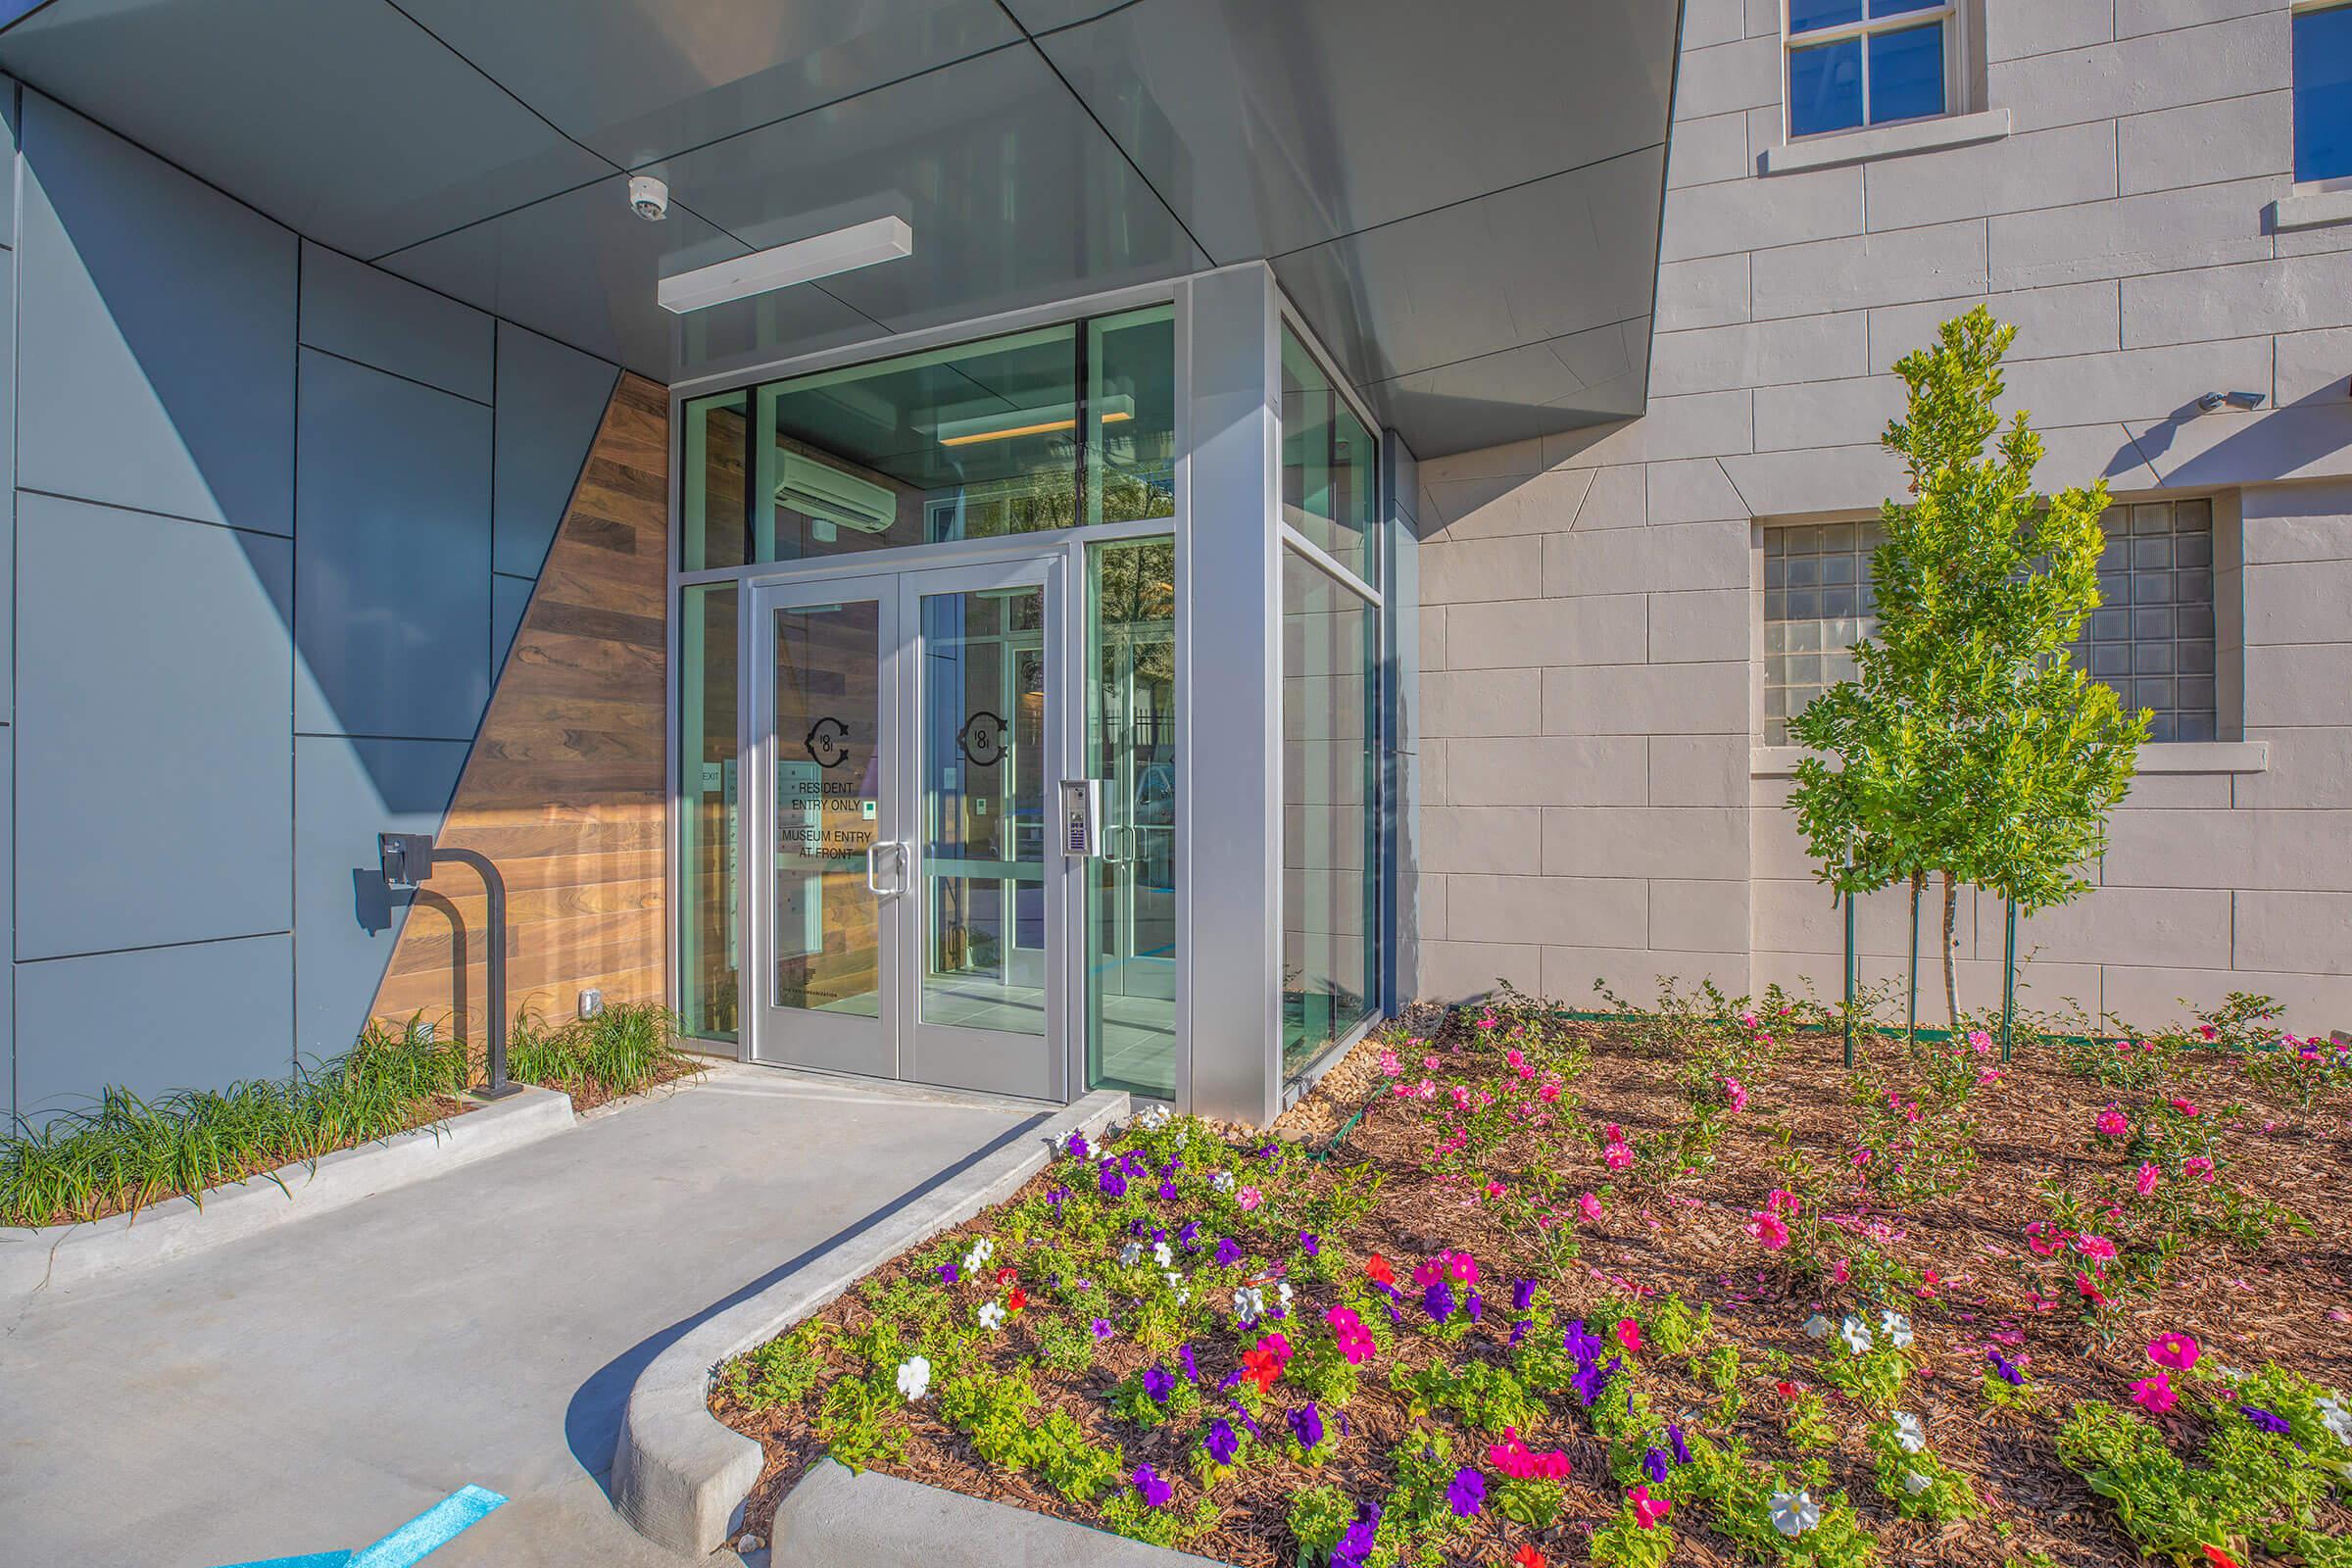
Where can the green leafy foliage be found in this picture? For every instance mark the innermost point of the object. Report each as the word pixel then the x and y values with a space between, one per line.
pixel 780 1373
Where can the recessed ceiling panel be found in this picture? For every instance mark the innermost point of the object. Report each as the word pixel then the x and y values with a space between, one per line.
pixel 1015 197
pixel 1535 262
pixel 340 118
pixel 1043 15
pixel 641 79
pixel 581 267
pixel 1269 127
pixel 1540 389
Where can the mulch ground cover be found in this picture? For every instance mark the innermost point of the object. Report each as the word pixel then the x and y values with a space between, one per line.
pixel 1678 1220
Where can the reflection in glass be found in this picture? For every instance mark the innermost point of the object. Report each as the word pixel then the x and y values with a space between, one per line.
pixel 829 790
pixel 707 819
pixel 981 758
pixel 2322 54
pixel 1329 486
pixel 1010 435
pixel 1330 817
pixel 1130 705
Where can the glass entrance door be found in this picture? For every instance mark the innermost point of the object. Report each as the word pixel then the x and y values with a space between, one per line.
pixel 914 741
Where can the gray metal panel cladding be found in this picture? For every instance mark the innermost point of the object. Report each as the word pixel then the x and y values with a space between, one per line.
pixel 551 400
pixel 152 727
pixel 365 313
pixel 392 564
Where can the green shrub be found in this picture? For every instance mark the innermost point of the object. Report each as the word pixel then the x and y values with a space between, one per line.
pixel 628 1047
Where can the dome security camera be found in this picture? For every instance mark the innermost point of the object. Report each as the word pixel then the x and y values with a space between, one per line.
pixel 649 198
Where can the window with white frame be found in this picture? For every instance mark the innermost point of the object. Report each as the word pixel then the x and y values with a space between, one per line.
pixel 2322 51
pixel 1855 63
pixel 2153 637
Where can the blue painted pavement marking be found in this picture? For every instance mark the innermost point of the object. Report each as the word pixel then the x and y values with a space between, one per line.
pixel 412 1542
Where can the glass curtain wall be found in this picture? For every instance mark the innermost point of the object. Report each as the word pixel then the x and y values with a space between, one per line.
pixel 1131 745
pixel 1330 713
pixel 708 791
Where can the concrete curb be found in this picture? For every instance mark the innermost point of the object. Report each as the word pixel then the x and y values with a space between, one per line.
pixel 56 1256
pixel 678 1475
pixel 878 1521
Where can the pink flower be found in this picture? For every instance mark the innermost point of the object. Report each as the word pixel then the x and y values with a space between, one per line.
pixel 1628 1335
pixel 1390 1066
pixel 1489 1022
pixel 2044 1240
pixel 2201 1166
pixel 1250 1197
pixel 2175 1351
pixel 1618 1157
pixel 1462 1267
pixel 1861 1157
pixel 2111 1124
pixel 1781 1200
pixel 1735 1094
pixel 2098 1249
pixel 2155 1392
pixel 1840 1272
pixel 1589 1207
pixel 2145 1181
pixel 1648 1510
pixel 1980 1042
pixel 1429 1271
pixel 1768 1229
pixel 1549 1092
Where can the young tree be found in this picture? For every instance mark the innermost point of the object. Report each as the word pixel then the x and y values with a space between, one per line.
pixel 1970 744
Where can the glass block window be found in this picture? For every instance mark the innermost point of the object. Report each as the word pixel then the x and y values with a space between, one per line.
pixel 1818 603
pixel 1854 63
pixel 2152 638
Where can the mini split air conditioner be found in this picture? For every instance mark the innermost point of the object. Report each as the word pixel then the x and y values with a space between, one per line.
pixel 827 496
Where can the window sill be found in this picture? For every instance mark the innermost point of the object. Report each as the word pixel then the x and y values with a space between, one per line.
pixel 2157 756
pixel 2311 209
pixel 1885 141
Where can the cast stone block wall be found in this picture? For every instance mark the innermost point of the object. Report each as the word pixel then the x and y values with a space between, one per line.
pixel 1595 804
pixel 275 518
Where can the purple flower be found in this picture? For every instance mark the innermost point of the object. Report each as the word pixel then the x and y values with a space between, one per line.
pixel 1396 1313
pixel 2009 1373
pixel 1222 1443
pixel 1242 1411
pixel 1132 1164
pixel 1102 1328
pixel 1355 1542
pixel 1189 1237
pixel 1184 1358
pixel 1438 1300
pixel 1654 1464
pixel 948 1273
pixel 1306 1425
pixel 1519 1331
pixel 1523 1294
pixel 1155 1492
pixel 1159 1233
pixel 1467 1495
pixel 1228 1253
pixel 1167 1191
pixel 1588 1380
pixel 1160 1382
pixel 1576 1342
pixel 1477 1305
pixel 1309 1244
pixel 1079 1148
pixel 1058 1197
pixel 1135 1228
pixel 1682 1449
pixel 1113 1184
pixel 2264 1419
pixel 1231 1381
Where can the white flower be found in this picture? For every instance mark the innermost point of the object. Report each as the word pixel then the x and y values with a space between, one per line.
pixel 992 1315
pixel 1129 1254
pixel 1154 1118
pixel 1794 1512
pixel 1248 1305
pixel 1162 1255
pixel 1817 1327
pixel 982 1251
pixel 1222 1181
pixel 2337 1417
pixel 1176 1284
pixel 1914 1482
pixel 1909 1435
pixel 1285 1289
pixel 1855 1333
pixel 1896 1328
pixel 915 1377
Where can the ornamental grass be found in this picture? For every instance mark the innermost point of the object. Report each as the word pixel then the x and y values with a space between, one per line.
pixel 1671 1288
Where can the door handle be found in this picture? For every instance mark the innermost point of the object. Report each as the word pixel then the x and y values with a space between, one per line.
pixel 897 853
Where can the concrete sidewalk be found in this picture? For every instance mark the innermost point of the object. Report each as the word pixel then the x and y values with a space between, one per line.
pixel 317 1385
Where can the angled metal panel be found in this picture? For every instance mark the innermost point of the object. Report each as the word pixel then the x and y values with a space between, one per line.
pixel 156 318
pixel 1540 389
pixel 550 399
pixel 1015 197
pixel 365 314
pixel 641 79
pixel 152 1020
pixel 1043 15
pixel 155 644
pixel 341 118
pixel 392 565
pixel 1270 127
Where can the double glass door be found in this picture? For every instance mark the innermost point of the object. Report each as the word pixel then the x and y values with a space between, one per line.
pixel 911 914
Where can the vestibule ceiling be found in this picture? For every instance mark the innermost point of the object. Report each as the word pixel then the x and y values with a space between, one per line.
pixel 1463 200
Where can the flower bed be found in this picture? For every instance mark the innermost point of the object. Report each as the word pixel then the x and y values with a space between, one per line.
pixel 1675 1288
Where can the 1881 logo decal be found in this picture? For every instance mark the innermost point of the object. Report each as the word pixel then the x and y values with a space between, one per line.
pixel 982 739
pixel 828 743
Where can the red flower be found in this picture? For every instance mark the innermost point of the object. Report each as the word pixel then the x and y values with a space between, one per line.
pixel 1016 1301
pixel 1529 1557
pixel 1261 1367
pixel 1008 1274
pixel 1785 1390
pixel 2220 1558
pixel 1377 1270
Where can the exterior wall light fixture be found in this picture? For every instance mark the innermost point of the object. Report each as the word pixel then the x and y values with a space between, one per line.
pixel 2236 400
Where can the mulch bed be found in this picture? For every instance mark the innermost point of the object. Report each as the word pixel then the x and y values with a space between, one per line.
pixel 2288 1301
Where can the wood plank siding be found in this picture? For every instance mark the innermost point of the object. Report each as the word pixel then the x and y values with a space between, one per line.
pixel 564 787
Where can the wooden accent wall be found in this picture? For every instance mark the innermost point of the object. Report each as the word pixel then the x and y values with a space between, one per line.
pixel 564 785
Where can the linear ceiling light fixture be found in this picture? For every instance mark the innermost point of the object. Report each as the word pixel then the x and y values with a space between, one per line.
pixel 1113 409
pixel 844 250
